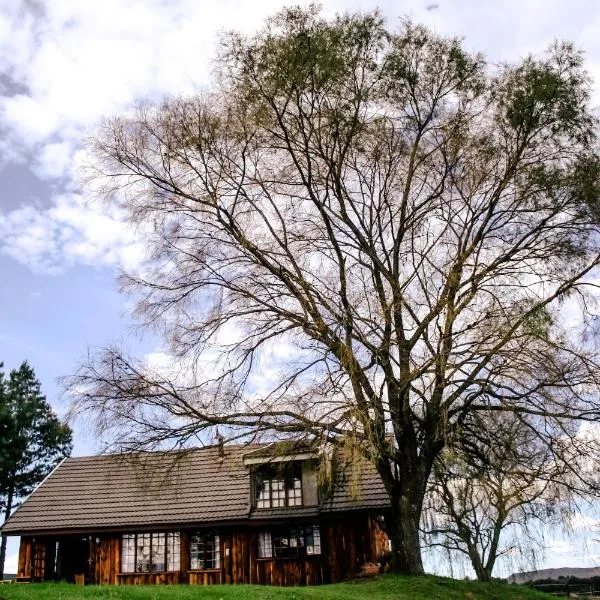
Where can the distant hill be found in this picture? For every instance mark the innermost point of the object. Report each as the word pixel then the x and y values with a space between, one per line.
pixel 581 573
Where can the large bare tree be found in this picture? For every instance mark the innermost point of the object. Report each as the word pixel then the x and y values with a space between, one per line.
pixel 404 224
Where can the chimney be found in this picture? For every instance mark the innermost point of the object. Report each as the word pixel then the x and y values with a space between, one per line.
pixel 220 439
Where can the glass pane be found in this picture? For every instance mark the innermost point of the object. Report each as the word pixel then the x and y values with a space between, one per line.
pixel 263 498
pixel 217 553
pixel 295 541
pixel 205 551
pixel 278 487
pixel 143 553
pixel 265 547
pixel 158 552
pixel 313 540
pixel 173 551
pixel 128 554
pixel 295 493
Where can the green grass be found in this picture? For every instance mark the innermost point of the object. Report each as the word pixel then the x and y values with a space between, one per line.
pixel 389 587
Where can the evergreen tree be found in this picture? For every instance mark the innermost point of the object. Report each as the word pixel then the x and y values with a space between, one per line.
pixel 32 440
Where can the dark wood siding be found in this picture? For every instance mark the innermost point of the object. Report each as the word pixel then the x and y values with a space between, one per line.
pixel 347 542
pixel 25 549
pixel 106 559
pixel 208 577
pixel 35 557
pixel 169 577
pixel 306 571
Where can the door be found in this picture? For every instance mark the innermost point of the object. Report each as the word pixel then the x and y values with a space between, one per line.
pixel 73 558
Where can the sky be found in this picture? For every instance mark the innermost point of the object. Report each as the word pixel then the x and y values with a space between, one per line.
pixel 67 64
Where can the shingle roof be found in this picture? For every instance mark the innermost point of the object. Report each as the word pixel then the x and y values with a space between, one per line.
pixel 161 489
pixel 364 488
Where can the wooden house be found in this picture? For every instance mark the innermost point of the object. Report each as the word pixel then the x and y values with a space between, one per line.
pixel 232 514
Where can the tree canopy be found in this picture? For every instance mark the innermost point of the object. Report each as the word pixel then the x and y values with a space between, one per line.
pixel 402 225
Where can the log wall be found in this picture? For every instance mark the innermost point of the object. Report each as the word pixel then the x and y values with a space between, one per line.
pixel 347 542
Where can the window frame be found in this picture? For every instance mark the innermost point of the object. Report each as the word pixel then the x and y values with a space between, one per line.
pixel 284 490
pixel 270 542
pixel 216 552
pixel 170 556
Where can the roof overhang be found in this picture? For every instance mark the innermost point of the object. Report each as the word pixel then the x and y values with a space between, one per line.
pixel 263 460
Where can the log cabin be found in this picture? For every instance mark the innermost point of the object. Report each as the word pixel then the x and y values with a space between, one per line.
pixel 247 514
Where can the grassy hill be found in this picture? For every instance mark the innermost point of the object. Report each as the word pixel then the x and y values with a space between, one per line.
pixel 389 587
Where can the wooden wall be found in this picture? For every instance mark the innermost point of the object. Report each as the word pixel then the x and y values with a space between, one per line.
pixel 106 559
pixel 379 539
pixel 33 558
pixel 208 577
pixel 347 542
pixel 168 577
pixel 285 571
pixel 25 559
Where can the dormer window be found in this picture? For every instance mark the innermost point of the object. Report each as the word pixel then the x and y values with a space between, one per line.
pixel 278 486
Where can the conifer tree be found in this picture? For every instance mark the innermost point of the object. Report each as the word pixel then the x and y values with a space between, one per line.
pixel 32 440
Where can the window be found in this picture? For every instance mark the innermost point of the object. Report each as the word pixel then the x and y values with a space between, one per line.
pixel 205 551
pixel 290 542
pixel 128 554
pixel 39 560
pixel 150 552
pixel 173 551
pixel 274 489
pixel 265 545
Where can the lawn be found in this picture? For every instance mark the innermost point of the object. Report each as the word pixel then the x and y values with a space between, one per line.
pixel 389 587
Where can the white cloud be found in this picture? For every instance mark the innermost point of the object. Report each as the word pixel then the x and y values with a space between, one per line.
pixel 54 160
pixel 174 369
pixel 81 61
pixel 69 232
pixel 33 120
pixel 72 63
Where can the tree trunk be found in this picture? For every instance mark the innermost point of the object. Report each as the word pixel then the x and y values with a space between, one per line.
pixel 484 574
pixel 2 555
pixel 405 480
pixel 406 548
pixel 403 526
pixel 488 567
pixel 9 501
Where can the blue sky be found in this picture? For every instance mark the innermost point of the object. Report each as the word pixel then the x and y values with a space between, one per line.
pixel 68 63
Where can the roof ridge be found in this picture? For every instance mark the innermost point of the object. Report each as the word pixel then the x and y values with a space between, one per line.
pixel 253 446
